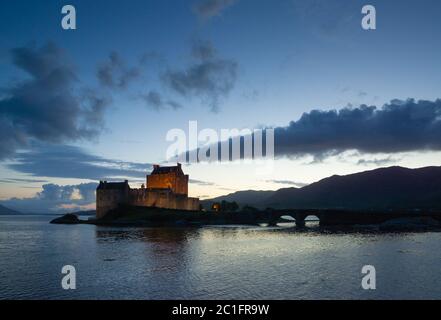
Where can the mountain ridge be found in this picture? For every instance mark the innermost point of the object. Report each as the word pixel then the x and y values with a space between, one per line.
pixel 6 211
pixel 382 188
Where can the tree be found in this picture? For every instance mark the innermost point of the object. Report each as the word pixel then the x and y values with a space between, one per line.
pixel 229 206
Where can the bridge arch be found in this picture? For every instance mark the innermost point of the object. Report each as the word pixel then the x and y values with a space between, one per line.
pixel 298 216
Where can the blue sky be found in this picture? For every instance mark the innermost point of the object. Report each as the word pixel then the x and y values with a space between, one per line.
pixel 268 62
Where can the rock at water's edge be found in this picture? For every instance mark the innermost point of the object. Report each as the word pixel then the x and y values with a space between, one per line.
pixel 66 219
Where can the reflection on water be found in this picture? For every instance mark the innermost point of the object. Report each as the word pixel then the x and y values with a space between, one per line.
pixel 214 262
pixel 175 236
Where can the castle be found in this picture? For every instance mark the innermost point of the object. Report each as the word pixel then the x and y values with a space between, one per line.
pixel 166 187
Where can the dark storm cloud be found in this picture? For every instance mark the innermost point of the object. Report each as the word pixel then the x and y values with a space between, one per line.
pixel 55 198
pixel 64 161
pixel 114 73
pixel 207 9
pixel 399 126
pixel 209 78
pixel 48 106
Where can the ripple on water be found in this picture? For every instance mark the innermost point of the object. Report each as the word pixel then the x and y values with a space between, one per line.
pixel 213 262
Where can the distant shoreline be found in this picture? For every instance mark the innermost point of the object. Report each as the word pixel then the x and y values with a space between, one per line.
pixel 41 214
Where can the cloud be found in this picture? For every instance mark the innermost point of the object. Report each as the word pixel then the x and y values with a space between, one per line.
pixel 289 182
pixel 154 100
pixel 399 126
pixel 54 192
pixel 202 183
pixel 206 9
pixel 55 198
pixel 209 78
pixel 14 180
pixel 63 161
pixel 48 105
pixel 377 162
pixel 114 73
pixel 203 50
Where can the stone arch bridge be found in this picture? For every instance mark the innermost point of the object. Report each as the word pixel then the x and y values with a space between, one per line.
pixel 329 217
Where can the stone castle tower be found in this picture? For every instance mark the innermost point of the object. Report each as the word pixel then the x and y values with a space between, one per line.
pixel 172 178
pixel 166 187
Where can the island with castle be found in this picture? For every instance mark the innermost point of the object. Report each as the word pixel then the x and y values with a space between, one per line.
pixel 166 188
pixel 162 200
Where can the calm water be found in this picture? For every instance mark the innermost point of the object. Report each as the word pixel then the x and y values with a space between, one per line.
pixel 212 262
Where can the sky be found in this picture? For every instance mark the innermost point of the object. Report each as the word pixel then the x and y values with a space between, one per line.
pixel 94 103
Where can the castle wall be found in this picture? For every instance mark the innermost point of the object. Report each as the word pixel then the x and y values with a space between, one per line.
pixel 162 199
pixel 177 183
pixel 107 200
